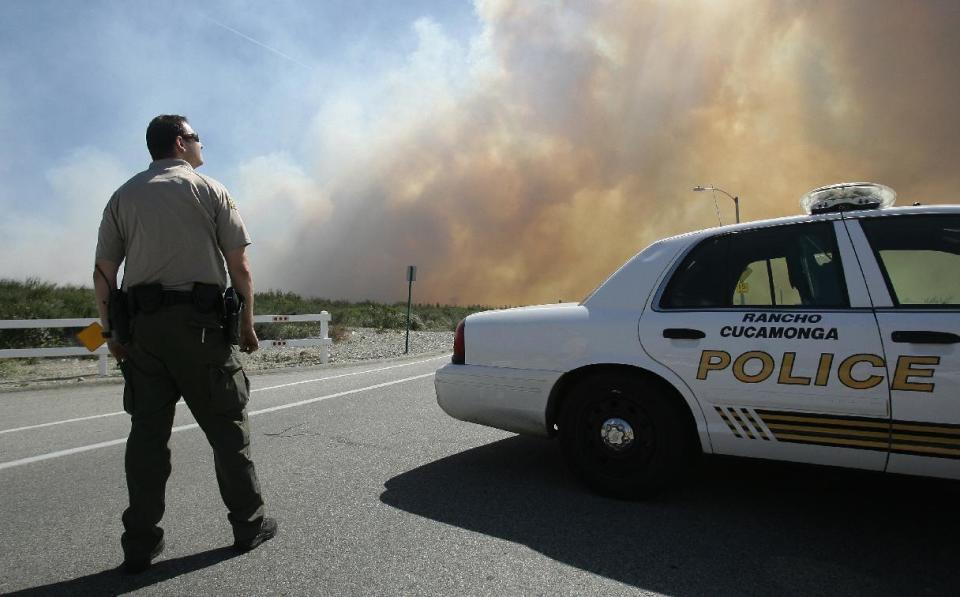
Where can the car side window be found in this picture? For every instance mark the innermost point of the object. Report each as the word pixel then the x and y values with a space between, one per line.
pixel 700 280
pixel 919 257
pixel 789 266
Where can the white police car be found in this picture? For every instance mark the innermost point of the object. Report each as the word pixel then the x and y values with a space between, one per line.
pixel 830 338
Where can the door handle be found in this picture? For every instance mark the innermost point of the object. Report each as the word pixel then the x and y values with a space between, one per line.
pixel 924 337
pixel 683 334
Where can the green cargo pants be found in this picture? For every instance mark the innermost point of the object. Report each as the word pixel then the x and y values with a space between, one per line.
pixel 178 351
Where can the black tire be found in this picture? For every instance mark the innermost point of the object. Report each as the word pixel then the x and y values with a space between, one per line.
pixel 616 466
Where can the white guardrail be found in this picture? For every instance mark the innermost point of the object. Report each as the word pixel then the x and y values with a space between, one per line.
pixel 71 351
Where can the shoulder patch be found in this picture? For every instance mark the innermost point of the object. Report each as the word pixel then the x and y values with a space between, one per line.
pixel 231 203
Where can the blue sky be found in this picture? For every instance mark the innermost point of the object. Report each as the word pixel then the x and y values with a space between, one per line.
pixel 80 80
pixel 517 151
pixel 91 73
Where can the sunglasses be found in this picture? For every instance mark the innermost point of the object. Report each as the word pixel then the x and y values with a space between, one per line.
pixel 192 136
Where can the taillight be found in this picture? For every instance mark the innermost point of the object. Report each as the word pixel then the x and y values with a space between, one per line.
pixel 459 346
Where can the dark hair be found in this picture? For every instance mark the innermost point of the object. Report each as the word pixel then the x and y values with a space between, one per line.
pixel 162 133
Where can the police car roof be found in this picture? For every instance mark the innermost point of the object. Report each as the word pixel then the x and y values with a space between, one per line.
pixel 852 214
pixel 636 276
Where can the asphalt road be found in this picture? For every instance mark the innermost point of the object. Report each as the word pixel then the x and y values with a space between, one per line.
pixel 378 492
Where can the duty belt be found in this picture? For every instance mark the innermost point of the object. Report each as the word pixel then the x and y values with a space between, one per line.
pixel 150 298
pixel 177 297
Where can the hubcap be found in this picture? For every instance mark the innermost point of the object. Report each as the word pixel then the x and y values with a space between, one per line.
pixel 616 434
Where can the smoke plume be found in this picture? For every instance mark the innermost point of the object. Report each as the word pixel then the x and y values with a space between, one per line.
pixel 524 165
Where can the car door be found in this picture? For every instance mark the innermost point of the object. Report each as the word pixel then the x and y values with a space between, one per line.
pixel 772 330
pixel 912 264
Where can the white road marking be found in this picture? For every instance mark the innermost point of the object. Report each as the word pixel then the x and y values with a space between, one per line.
pixel 296 383
pixel 285 385
pixel 63 422
pixel 117 442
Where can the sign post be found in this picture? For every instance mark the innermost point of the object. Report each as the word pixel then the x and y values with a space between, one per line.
pixel 411 277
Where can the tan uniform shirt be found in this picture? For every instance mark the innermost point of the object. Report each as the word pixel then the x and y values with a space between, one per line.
pixel 173 227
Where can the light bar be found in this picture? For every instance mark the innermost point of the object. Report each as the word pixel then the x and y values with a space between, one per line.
pixel 848 196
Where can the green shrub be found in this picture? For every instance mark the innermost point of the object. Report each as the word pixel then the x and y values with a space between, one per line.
pixel 35 299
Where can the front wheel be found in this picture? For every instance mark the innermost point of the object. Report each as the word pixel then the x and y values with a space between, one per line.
pixel 623 436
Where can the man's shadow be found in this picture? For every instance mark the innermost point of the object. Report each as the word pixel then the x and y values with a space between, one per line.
pixel 115 582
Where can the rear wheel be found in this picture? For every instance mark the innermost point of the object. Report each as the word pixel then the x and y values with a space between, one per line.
pixel 623 436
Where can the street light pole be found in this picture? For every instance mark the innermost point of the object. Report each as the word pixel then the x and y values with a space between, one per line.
pixel 736 199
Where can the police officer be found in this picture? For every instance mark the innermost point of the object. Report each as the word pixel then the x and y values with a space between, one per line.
pixel 174 228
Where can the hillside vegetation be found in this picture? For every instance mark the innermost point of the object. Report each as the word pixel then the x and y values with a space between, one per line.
pixel 34 299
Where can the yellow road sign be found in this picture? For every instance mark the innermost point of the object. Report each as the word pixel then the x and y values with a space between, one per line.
pixel 91 336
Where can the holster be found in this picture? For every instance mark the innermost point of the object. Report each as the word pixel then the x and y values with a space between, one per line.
pixel 233 303
pixel 118 312
pixel 208 298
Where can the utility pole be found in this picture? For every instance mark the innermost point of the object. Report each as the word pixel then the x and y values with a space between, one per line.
pixel 411 277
